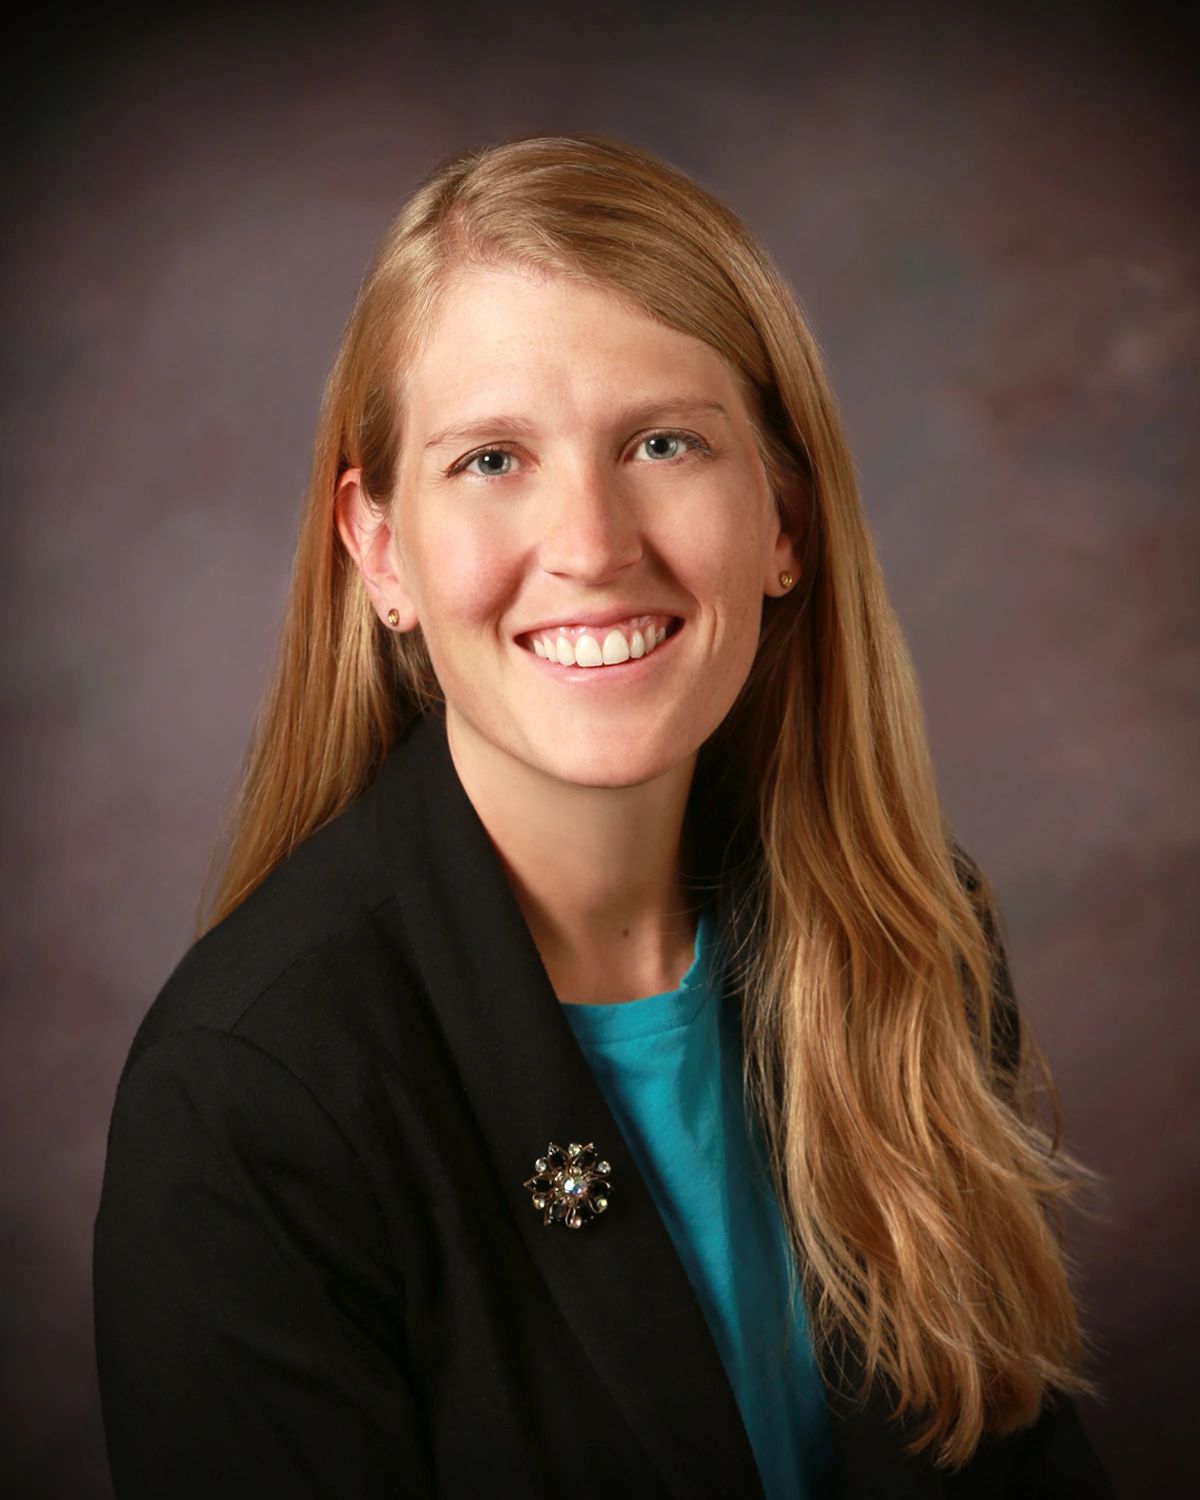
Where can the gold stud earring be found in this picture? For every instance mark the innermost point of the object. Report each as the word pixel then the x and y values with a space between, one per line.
pixel 786 580
pixel 393 617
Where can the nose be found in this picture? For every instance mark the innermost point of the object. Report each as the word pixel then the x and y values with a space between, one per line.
pixel 590 529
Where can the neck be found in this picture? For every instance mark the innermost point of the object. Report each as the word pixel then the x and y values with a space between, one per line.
pixel 595 870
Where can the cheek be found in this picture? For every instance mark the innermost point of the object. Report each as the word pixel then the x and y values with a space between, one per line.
pixel 465 575
pixel 723 560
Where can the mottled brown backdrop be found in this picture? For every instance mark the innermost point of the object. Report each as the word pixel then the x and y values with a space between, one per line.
pixel 990 216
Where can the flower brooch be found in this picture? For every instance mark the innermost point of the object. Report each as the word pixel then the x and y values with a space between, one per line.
pixel 571 1185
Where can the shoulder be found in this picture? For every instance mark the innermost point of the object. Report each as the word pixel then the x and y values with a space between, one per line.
pixel 302 974
pixel 1006 1015
pixel 970 876
pixel 240 1151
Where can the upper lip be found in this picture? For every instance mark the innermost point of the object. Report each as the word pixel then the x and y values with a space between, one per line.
pixel 599 617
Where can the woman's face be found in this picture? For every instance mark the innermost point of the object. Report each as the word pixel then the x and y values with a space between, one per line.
pixel 569 468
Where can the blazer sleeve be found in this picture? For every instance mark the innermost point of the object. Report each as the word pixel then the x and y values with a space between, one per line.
pixel 247 1317
pixel 1054 1459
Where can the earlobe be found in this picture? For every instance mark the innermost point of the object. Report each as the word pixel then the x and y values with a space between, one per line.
pixel 367 537
pixel 785 566
pixel 790 517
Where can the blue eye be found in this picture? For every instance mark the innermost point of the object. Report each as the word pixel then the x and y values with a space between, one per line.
pixel 487 453
pixel 668 437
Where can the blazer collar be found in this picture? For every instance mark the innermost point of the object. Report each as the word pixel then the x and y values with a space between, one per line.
pixel 619 1281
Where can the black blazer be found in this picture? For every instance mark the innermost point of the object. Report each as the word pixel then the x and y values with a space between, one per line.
pixel 317 1271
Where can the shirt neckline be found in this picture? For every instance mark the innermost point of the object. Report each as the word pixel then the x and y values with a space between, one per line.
pixel 651 1015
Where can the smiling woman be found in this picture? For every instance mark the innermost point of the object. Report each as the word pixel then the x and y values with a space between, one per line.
pixel 588 855
pixel 587 525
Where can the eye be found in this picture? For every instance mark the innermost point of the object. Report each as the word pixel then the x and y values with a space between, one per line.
pixel 673 441
pixel 487 472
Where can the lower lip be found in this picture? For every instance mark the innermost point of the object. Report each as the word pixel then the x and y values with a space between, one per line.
pixel 630 671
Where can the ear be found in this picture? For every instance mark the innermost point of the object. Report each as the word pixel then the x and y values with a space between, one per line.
pixel 364 530
pixel 785 558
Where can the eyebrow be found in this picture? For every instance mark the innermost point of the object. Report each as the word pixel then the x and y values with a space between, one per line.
pixel 644 411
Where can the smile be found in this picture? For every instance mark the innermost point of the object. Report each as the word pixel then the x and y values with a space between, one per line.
pixel 590 646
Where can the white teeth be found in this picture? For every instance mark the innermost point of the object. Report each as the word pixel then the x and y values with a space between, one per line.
pixel 616 649
pixel 580 646
pixel 588 653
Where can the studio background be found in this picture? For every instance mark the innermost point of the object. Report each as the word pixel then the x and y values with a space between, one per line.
pixel 989 215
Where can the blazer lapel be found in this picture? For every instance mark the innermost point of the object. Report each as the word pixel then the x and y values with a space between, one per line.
pixel 619 1281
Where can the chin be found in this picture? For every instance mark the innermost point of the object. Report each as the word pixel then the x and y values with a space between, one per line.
pixel 608 768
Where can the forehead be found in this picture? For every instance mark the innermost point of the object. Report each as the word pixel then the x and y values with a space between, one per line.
pixel 507 335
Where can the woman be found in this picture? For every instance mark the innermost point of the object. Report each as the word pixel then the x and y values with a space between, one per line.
pixel 592 784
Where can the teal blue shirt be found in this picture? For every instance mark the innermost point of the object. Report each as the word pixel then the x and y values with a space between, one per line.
pixel 670 1067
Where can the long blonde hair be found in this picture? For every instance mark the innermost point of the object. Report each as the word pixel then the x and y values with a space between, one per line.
pixel 919 1187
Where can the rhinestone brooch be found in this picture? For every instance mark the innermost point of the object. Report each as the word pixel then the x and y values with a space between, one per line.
pixel 570 1185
